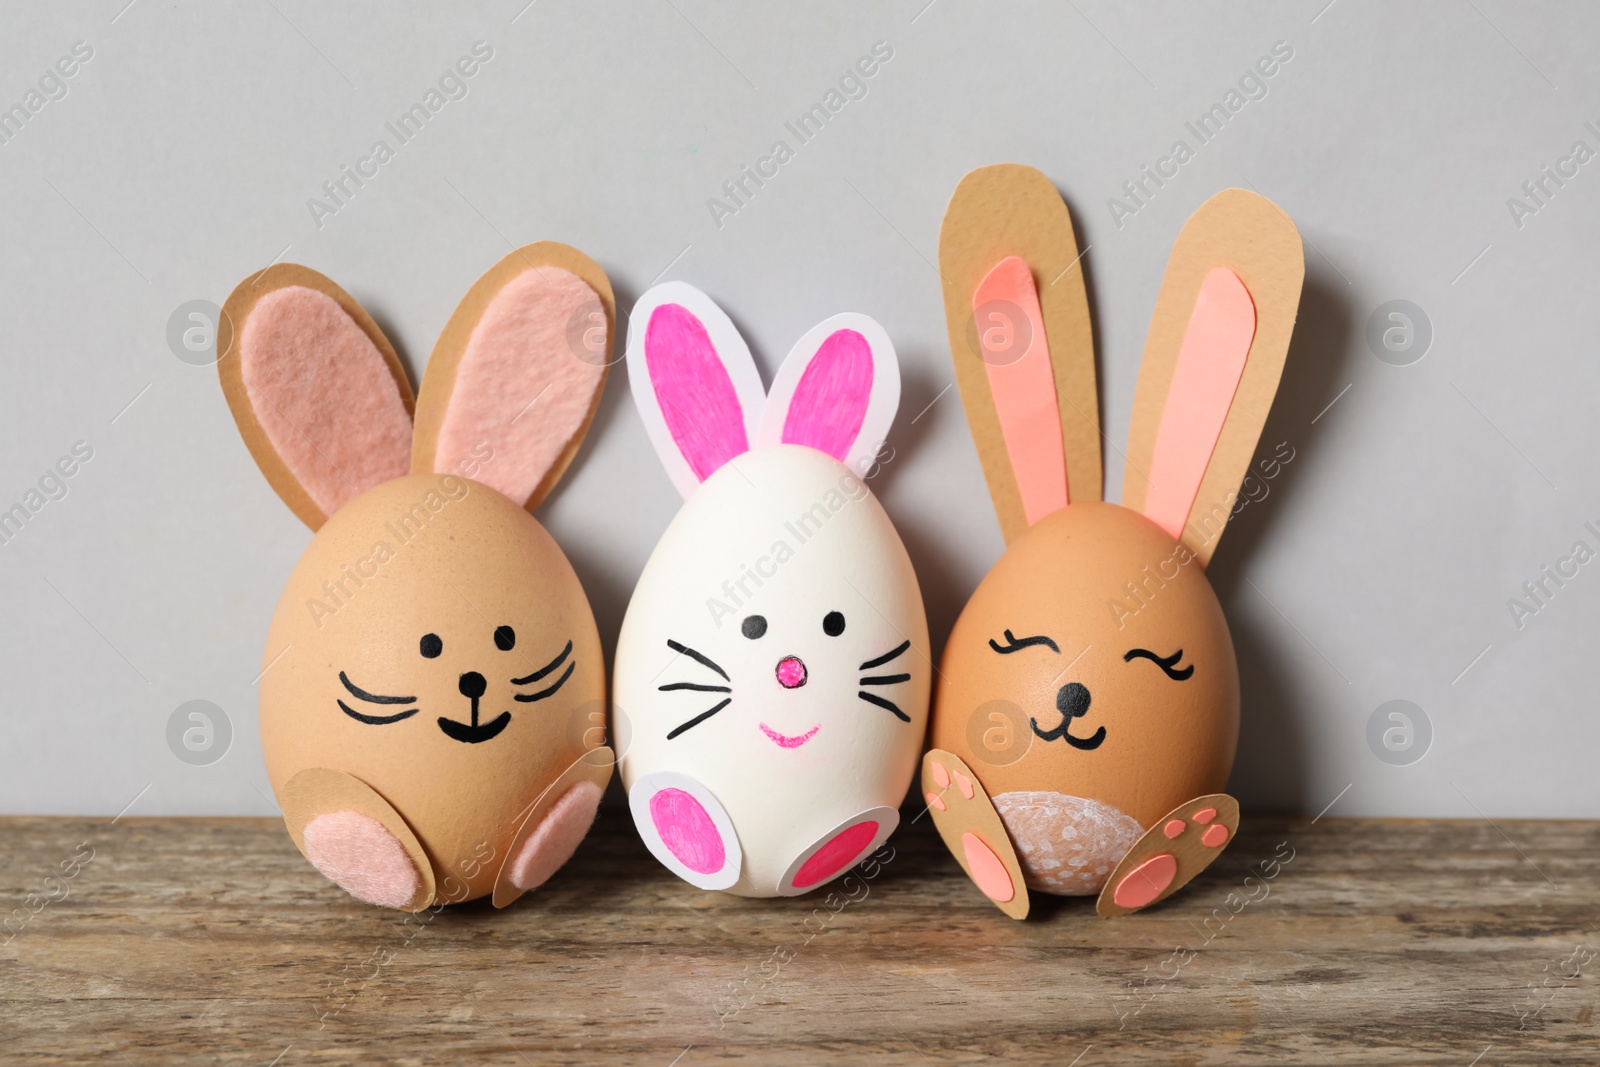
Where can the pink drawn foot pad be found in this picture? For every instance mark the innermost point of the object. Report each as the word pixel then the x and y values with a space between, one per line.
pixel 988 872
pixel 1147 881
pixel 840 852
pixel 358 855
pixel 687 831
pixel 557 837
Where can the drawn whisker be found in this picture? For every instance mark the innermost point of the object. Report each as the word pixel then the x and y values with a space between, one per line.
pixel 700 718
pixel 889 705
pixel 374 720
pixel 697 657
pixel 887 656
pixel 371 698
pixel 528 698
pixel 885 679
pixel 696 686
pixel 546 669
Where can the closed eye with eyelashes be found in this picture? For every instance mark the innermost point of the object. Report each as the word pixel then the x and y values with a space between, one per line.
pixel 1017 644
pixel 1169 664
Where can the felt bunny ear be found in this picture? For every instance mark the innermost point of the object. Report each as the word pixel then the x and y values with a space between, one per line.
pixel 318 394
pixel 1021 341
pixel 515 378
pixel 1212 360
pixel 837 391
pixel 693 381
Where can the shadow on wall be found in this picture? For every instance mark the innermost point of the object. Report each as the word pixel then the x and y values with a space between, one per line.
pixel 1270 772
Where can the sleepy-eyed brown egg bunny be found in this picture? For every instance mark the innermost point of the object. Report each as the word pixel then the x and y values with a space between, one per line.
pixel 1087 707
pixel 433 694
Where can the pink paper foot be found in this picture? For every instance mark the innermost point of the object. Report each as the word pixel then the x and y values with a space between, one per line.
pixel 1174 850
pixel 838 850
pixel 686 829
pixel 557 836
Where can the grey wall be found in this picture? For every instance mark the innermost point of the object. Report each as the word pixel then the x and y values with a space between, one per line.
pixel 1377 568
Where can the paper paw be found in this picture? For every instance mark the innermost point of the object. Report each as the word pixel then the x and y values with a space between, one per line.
pixel 973 832
pixel 1179 846
pixel 553 826
pixel 355 838
pixel 686 829
pixel 838 850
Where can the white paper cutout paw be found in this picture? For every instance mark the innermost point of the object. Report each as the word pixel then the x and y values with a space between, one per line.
pixel 686 829
pixel 838 850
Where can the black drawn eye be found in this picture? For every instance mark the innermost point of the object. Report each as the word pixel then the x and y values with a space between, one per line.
pixel 431 646
pixel 833 623
pixel 1017 644
pixel 505 638
pixel 753 626
pixel 1169 664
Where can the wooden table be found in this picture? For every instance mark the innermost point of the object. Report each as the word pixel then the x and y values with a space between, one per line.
pixel 1373 942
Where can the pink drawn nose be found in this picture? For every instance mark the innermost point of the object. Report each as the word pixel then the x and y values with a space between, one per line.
pixel 791 672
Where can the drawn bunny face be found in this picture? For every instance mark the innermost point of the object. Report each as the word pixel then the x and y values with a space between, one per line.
pixel 432 700
pixel 772 674
pixel 1087 711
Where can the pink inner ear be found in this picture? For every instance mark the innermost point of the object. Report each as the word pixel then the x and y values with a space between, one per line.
pixel 525 382
pixel 830 400
pixel 1211 360
pixel 324 395
pixel 1016 357
pixel 697 398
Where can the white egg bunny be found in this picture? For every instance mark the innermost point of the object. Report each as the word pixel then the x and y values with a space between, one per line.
pixel 772 673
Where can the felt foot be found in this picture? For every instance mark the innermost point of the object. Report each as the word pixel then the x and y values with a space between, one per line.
pixel 838 850
pixel 556 838
pixel 356 834
pixel 358 855
pixel 1178 847
pixel 551 828
pixel 973 832
pixel 685 828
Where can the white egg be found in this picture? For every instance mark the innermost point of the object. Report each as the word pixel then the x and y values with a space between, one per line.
pixel 772 677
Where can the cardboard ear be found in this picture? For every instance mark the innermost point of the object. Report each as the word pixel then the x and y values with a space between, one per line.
pixel 515 378
pixel 693 380
pixel 317 391
pixel 837 391
pixel 1020 337
pixel 1212 361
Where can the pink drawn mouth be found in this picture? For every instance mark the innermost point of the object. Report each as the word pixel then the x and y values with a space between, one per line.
pixel 785 741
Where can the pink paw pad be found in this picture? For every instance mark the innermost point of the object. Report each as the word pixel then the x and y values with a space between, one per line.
pixel 1147 881
pixel 840 849
pixel 1215 836
pixel 687 831
pixel 964 784
pixel 935 801
pixel 1205 815
pixel 988 872
pixel 1174 827
pixel 941 776
pixel 557 836
pixel 361 857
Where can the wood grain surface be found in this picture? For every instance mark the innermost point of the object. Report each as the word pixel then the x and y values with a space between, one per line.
pixel 1373 942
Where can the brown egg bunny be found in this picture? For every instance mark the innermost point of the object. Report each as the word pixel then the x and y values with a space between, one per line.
pixel 1086 713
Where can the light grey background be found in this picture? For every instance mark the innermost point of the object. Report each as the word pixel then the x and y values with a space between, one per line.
pixel 1378 568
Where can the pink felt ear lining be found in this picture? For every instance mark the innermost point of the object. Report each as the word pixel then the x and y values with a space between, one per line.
pixel 1211 360
pixel 1023 386
pixel 830 401
pixel 323 395
pixel 698 402
pixel 525 382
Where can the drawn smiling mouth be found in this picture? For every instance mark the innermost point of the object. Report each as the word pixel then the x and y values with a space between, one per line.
pixel 474 732
pixel 784 740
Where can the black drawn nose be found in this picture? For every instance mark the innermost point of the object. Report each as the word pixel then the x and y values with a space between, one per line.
pixel 472 685
pixel 1072 700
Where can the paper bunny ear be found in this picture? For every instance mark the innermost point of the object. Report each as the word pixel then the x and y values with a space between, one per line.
pixel 1021 341
pixel 515 378
pixel 316 389
pixel 1212 360
pixel 837 391
pixel 693 381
